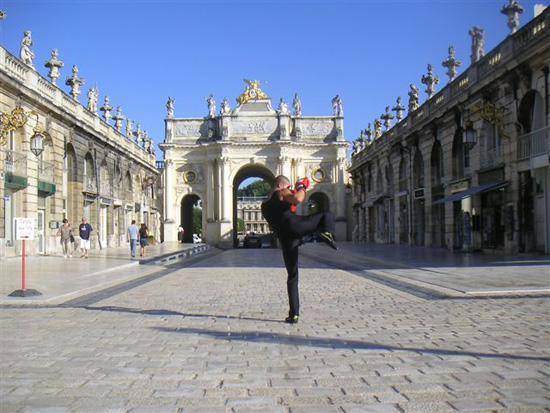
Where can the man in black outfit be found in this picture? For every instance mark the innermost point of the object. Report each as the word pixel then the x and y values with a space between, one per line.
pixel 291 229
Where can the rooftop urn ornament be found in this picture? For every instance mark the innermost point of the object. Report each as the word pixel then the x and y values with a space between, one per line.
pixel 355 146
pixel 106 109
pixel 430 80
pixel 478 42
pixel 225 109
pixel 297 105
pixel 283 107
pixel 387 117
pixel 211 106
pixel 54 64
pixel 337 106
pixel 451 63
pixel 129 132
pixel 377 128
pixel 398 109
pixel 170 107
pixel 252 92
pixel 119 117
pixel 513 9
pixel 74 82
pixel 413 98
pixel 93 94
pixel 25 53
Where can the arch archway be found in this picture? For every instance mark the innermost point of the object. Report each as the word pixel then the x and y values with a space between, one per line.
pixel 246 172
pixel 190 213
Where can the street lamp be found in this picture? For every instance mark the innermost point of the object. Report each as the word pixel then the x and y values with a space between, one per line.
pixel 37 140
pixel 469 136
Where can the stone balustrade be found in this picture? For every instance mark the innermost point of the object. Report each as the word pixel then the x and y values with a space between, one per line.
pixel 63 103
pixel 537 30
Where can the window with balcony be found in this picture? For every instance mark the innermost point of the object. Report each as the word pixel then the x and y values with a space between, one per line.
pixel 491 147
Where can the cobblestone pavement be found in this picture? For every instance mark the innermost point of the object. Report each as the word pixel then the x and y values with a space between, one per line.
pixel 207 337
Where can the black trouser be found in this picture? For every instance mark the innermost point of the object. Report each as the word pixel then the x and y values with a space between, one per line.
pixel 290 237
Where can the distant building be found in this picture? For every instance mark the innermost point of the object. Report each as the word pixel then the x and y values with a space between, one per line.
pixel 87 168
pixel 469 168
pixel 249 209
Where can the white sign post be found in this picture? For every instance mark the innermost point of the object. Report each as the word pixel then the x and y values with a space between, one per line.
pixel 24 230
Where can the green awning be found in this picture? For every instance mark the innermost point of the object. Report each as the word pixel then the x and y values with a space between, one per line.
pixel 46 187
pixel 15 181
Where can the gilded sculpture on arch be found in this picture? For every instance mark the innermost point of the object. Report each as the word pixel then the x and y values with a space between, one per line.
pixel 252 92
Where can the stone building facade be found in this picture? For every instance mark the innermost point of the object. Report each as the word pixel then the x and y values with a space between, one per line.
pixel 469 168
pixel 249 209
pixel 208 157
pixel 88 168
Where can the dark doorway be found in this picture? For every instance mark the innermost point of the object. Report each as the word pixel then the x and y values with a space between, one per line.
pixel 191 218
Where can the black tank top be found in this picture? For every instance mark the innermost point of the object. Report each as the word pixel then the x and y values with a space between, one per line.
pixel 276 211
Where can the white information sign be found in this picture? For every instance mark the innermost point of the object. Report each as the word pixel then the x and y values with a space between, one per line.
pixel 24 228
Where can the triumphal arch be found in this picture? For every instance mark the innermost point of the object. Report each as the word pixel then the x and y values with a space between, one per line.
pixel 207 157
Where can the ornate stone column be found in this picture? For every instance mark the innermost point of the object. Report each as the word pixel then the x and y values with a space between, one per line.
pixel 340 229
pixel 170 228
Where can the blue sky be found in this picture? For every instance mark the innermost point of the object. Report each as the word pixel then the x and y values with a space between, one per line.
pixel 141 52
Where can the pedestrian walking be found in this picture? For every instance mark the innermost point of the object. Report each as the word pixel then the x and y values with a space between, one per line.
pixel 84 231
pixel 181 233
pixel 292 230
pixel 132 237
pixel 66 233
pixel 143 236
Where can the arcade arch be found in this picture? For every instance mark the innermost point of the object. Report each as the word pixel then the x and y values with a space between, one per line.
pixel 246 172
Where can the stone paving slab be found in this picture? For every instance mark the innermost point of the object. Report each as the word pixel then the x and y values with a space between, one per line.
pixel 208 337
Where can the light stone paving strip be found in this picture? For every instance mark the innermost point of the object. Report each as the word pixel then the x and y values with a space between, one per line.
pixel 209 338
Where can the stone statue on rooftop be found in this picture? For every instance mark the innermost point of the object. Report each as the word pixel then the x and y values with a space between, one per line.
pixel 297 105
pixel 377 128
pixel 74 82
pixel 451 63
pixel 225 109
pixel 283 107
pixel 93 93
pixel 478 43
pixel 368 133
pixel 54 64
pixel 25 53
pixel 211 106
pixel 513 9
pixel 129 132
pixel 170 107
pixel 337 106
pixel 413 98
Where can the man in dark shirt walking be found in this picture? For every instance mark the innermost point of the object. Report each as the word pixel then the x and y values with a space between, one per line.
pixel 84 231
